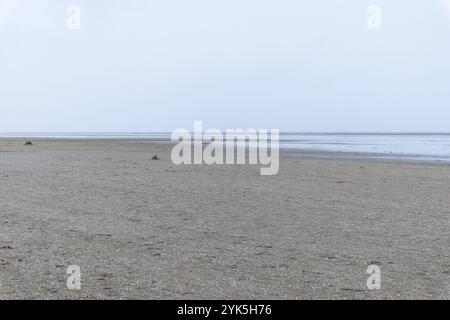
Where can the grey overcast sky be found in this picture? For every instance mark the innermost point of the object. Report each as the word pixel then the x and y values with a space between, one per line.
pixel 147 65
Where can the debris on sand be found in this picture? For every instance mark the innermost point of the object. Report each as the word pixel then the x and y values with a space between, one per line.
pixel 155 157
pixel 28 143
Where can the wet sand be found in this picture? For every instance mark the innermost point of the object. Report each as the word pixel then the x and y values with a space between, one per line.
pixel 147 229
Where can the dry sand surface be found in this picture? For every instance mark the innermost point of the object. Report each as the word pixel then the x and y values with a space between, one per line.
pixel 147 229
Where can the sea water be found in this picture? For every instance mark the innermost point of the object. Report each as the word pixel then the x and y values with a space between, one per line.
pixel 419 146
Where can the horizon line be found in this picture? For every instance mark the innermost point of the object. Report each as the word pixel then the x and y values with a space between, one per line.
pixel 287 132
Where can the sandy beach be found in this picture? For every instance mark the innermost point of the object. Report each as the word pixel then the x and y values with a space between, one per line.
pixel 147 229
